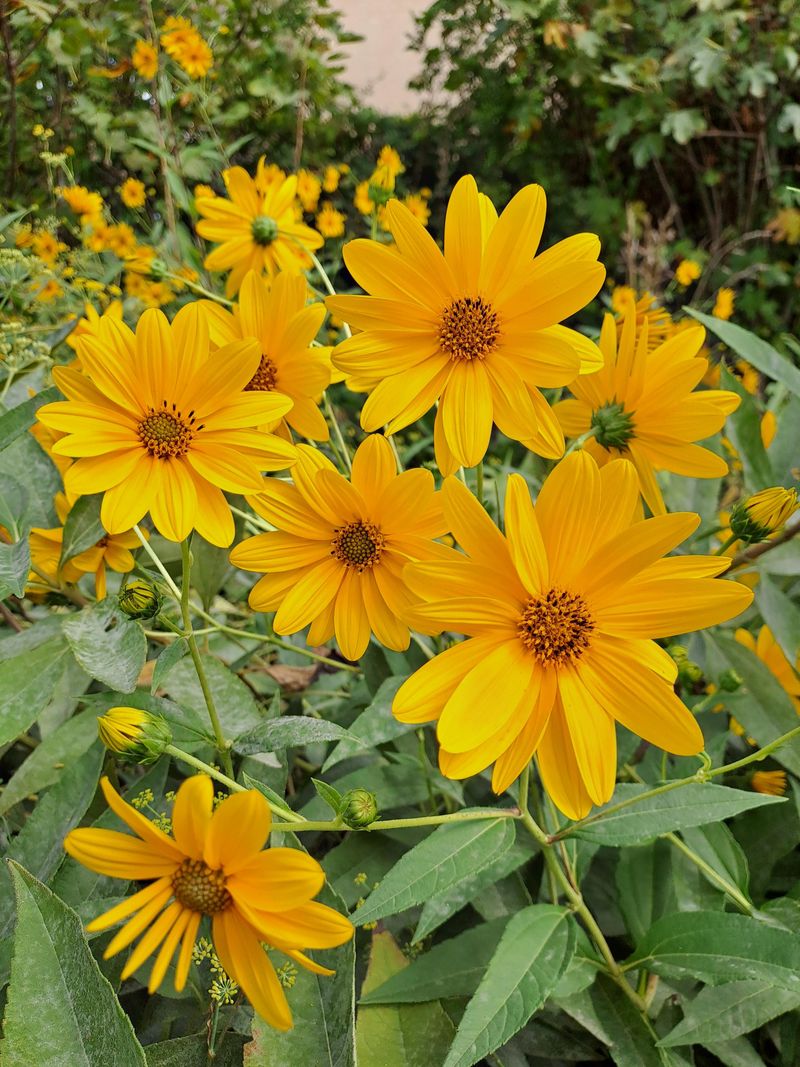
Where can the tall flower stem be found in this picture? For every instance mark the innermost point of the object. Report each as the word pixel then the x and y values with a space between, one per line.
pixel 186 614
pixel 479 482
pixel 337 432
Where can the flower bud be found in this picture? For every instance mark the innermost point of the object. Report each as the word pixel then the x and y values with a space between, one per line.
pixel 772 783
pixel 158 269
pixel 756 518
pixel 134 733
pixel 730 681
pixel 359 808
pixel 139 600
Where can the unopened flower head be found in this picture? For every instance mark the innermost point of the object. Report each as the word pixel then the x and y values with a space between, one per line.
pixel 359 808
pixel 762 514
pixel 139 600
pixel 134 733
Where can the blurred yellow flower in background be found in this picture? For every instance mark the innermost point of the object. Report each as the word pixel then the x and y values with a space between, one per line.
pixel 329 221
pixel 145 59
pixel 723 305
pixel 687 271
pixel 132 192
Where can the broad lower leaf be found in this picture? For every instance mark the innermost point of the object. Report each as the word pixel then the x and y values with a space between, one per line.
pixel 27 683
pixel 15 565
pixel 533 953
pixel 61 1009
pixel 447 856
pixel 719 1013
pixel 720 947
pixel 237 709
pixel 716 846
pixel 290 731
pixel 83 528
pixel 607 1012
pixel 690 805
pixel 752 348
pixel 452 969
pixel 15 422
pixel 404 1035
pixel 107 644
pixel 374 726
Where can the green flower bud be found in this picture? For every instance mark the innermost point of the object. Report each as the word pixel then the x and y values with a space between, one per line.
pixel 689 673
pixel 139 600
pixel 612 425
pixel 359 808
pixel 730 681
pixel 134 733
pixel 158 269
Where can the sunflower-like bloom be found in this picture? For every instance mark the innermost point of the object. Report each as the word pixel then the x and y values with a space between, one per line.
pixel 561 613
pixel 145 59
pixel 132 192
pixel 257 229
pixel 337 558
pixel 213 866
pixel 278 318
pixel 159 423
pixel 474 328
pixel 773 657
pixel 641 407
pixel 659 323
pixel 89 325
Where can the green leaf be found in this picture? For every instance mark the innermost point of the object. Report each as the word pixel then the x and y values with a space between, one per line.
pixel 210 566
pixel 374 726
pixel 407 1035
pixel 716 947
pixel 15 565
pixel 763 706
pixel 290 731
pixel 15 422
pixel 750 347
pixel 27 683
pixel 447 856
pixel 192 1051
pixel 690 805
pixel 721 851
pixel 744 428
pixel 396 785
pixel 735 1053
pixel 83 528
pixel 719 1013
pixel 781 614
pixel 42 480
pixel 13 506
pixel 237 709
pixel 48 761
pixel 331 795
pixel 167 660
pixel 107 644
pixel 533 953
pixel 453 968
pixel 60 1007
pixel 606 1012
pixel 360 861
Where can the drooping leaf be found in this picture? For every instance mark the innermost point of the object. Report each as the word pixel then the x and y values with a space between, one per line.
pixel 192 1051
pixel 533 953
pixel 447 856
pixel 15 565
pixel 607 1012
pixel 167 660
pixel 107 644
pixel 290 731
pixel 719 1013
pixel 61 1009
pixel 716 846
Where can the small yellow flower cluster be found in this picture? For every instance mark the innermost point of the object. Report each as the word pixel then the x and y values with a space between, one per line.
pixel 183 43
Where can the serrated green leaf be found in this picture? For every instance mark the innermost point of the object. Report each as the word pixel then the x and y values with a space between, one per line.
pixel 27 683
pixel 690 805
pixel 447 856
pixel 107 644
pixel 719 1013
pixel 290 731
pixel 752 348
pixel 42 480
pixel 717 947
pixel 407 1035
pixel 60 1010
pixel 15 422
pixel 15 565
pixel 607 1013
pixel 167 660
pixel 781 614
pixel 374 726
pixel 716 845
pixel 83 528
pixel 453 968
pixel 533 953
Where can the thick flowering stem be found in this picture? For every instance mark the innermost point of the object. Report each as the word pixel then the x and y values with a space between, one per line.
pixel 343 450
pixel 222 745
pixel 199 289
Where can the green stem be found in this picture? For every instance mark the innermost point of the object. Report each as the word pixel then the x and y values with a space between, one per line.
pixel 725 545
pixel 199 289
pixel 406 824
pixel 479 483
pixel 223 747
pixel 337 431
pixel 162 570
pixel 580 441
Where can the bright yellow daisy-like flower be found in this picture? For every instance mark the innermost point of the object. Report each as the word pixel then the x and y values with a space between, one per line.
pixel 772 656
pixel 329 221
pixel 337 559
pixel 284 326
pixel 256 230
pixel 390 158
pixel 47 247
pixel 145 59
pixel 86 205
pixel 89 325
pixel 659 323
pixel 132 192
pixel 475 328
pixel 561 613
pixel 194 56
pixel 641 407
pixel 724 303
pixel 214 865
pixel 159 423
pixel 687 271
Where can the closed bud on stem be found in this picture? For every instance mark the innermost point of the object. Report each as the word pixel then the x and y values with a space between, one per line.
pixel 139 600
pixel 158 269
pixel 134 733
pixel 762 514
pixel 358 808
pixel 730 681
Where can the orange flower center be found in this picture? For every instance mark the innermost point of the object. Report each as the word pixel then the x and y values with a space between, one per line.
pixel 469 329
pixel 358 544
pixel 556 628
pixel 199 888
pixel 167 434
pixel 264 378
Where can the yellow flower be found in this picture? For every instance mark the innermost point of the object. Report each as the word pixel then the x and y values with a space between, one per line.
pixel 330 222
pixel 336 561
pixel 46 438
pixel 418 207
pixel 687 271
pixel 308 189
pixel 561 613
pixel 86 205
pixel 361 199
pixel 194 56
pixel 213 866
pixel 95 236
pixel 769 427
pixel 773 783
pixel 382 181
pixel 49 291
pixel 268 175
pixel 772 656
pixel 763 514
pixel 47 247
pixel 134 733
pixel 175 32
pixel 660 326
pixel 389 157
pixel 24 236
pixel 121 240
pixel 474 328
pixel 330 179
pixel 641 407
pixel 201 191
pixel 145 59
pixel 723 305
pixel 284 327
pixel 132 192
pixel 257 231
pixel 786 226
pixel 151 294
pixel 161 424
pixel 140 259
pixel 89 325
